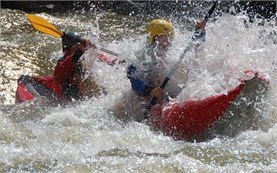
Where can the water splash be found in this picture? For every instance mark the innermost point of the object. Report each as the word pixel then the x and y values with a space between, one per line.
pixel 84 136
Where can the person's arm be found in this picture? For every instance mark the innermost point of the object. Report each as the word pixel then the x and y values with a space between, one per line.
pixel 200 31
pixel 101 56
pixel 199 38
pixel 65 65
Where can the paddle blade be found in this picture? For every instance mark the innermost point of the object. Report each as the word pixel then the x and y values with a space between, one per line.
pixel 44 26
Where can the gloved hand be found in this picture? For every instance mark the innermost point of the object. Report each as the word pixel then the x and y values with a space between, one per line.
pixel 157 92
pixel 88 44
pixel 201 24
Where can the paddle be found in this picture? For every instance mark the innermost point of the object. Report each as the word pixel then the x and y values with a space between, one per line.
pixel 44 26
pixel 171 73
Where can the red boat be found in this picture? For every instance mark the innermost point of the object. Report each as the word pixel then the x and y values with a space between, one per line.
pixel 187 120
pixel 190 119
pixel 22 93
pixel 30 87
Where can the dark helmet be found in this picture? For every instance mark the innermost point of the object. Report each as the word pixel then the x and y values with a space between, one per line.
pixel 70 39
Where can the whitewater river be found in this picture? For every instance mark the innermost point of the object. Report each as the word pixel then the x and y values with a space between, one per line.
pixel 86 137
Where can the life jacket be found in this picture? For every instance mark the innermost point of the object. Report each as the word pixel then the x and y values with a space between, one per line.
pixel 147 73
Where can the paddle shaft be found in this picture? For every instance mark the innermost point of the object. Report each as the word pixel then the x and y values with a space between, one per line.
pixel 109 51
pixel 100 48
pixel 171 73
pixel 44 26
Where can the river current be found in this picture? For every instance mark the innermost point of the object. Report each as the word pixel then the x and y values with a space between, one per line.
pixel 85 137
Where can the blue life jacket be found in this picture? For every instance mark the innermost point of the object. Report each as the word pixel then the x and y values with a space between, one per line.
pixel 139 86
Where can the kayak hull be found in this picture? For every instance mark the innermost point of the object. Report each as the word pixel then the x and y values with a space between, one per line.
pixel 22 94
pixel 30 88
pixel 191 119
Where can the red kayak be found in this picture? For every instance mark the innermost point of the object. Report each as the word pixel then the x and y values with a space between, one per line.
pixel 31 87
pixel 22 93
pixel 191 118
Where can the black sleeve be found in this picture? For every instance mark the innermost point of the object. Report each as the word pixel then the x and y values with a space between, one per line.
pixel 76 56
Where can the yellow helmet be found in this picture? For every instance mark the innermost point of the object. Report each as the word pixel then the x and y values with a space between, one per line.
pixel 159 27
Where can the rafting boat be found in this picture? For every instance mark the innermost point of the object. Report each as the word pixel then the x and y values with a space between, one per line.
pixel 192 118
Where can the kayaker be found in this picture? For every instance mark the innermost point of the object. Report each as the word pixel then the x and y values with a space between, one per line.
pixel 69 71
pixel 147 75
pixel 149 70
pixel 68 81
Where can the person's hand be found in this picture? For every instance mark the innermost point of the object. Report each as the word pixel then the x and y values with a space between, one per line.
pixel 88 44
pixel 77 46
pixel 82 46
pixel 157 92
pixel 201 24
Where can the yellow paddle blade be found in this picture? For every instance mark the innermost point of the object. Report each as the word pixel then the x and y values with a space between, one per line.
pixel 44 26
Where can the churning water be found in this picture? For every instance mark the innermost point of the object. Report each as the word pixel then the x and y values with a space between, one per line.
pixel 85 137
